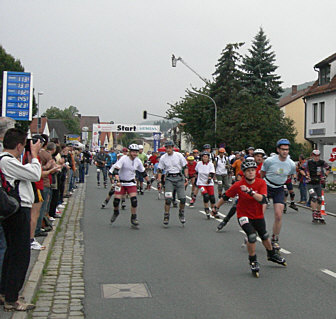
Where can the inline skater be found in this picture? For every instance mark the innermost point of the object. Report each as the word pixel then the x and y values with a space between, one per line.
pixel 252 193
pixel 195 153
pixel 206 148
pixel 101 160
pixel 276 170
pixel 205 171
pixel 111 159
pixel 192 173
pixel 314 169
pixel 139 177
pixel 124 174
pixel 222 167
pixel 173 163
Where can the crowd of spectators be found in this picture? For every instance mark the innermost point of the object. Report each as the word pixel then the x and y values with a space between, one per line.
pixel 45 172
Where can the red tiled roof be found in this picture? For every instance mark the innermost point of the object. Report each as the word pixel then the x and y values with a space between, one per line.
pixel 88 121
pixel 326 61
pixel 290 98
pixel 33 125
pixel 321 89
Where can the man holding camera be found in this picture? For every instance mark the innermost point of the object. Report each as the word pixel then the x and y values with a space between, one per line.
pixel 17 226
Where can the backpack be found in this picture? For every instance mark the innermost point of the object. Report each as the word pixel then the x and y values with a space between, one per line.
pixel 9 196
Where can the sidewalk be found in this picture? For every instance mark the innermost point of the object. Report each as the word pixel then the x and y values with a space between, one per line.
pixel 56 282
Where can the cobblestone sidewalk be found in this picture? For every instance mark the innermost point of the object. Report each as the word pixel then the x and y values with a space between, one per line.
pixel 62 290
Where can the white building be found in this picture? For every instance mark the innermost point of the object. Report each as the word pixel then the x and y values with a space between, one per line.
pixel 320 108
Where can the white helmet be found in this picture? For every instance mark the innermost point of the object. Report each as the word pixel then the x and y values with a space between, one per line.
pixel 140 147
pixel 134 147
pixel 259 151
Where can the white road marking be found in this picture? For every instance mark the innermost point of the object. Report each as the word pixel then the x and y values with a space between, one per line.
pixel 329 272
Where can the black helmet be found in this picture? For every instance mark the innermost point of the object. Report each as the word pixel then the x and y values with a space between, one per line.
pixel 251 148
pixel 169 143
pixel 205 146
pixel 248 164
pixel 205 153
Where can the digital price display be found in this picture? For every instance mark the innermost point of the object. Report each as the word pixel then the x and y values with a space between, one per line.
pixel 17 95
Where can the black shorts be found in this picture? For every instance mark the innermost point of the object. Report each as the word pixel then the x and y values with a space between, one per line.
pixel 277 194
pixel 314 188
pixel 251 226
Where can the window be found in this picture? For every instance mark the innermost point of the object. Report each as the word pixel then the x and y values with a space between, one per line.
pixel 325 75
pixel 315 112
pixel 321 112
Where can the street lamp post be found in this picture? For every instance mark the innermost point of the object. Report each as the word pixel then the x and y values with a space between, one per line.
pixel 174 61
pixel 38 111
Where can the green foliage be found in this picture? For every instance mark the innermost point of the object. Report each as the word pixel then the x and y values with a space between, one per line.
pixel 9 63
pixel 259 77
pixel 68 115
pixel 246 97
pixel 130 138
pixel 165 125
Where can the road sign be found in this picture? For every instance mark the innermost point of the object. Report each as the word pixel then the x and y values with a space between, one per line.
pixel 17 95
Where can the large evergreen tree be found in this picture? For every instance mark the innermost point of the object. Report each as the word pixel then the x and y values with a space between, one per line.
pixel 259 69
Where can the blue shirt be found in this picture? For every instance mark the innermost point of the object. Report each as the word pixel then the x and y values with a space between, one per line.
pixel 277 171
pixel 112 159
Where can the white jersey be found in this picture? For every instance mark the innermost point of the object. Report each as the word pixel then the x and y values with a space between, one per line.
pixel 127 168
pixel 221 163
pixel 203 171
pixel 172 164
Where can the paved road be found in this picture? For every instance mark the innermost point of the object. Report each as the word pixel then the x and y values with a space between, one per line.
pixel 194 272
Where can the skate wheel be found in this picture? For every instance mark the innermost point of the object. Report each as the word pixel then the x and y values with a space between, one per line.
pixel 256 274
pixel 284 264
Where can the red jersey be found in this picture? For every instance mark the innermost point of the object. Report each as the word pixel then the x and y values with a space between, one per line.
pixel 191 169
pixel 153 159
pixel 247 205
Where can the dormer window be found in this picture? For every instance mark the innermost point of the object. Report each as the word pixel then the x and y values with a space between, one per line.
pixel 324 75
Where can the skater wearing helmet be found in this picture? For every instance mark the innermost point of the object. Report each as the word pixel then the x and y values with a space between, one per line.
pixel 192 172
pixel 252 193
pixel 124 174
pixel 316 178
pixel 173 163
pixel 222 166
pixel 276 170
pixel 139 177
pixel 205 174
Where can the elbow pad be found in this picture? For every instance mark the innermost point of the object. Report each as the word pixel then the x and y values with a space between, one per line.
pixel 144 174
pixel 116 171
pixel 264 200
pixel 212 175
pixel 225 198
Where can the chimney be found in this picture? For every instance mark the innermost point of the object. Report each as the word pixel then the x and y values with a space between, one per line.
pixel 294 89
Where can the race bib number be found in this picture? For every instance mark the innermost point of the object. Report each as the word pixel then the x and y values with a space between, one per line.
pixel 202 189
pixel 117 189
pixel 311 191
pixel 98 170
pixel 220 182
pixel 243 220
pixel 168 195
pixel 285 187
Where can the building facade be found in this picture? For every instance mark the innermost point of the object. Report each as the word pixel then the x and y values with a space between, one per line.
pixel 320 107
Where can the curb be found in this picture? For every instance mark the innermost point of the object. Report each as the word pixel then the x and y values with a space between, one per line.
pixel 308 208
pixel 32 283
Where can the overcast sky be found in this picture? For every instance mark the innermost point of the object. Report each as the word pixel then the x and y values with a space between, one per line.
pixel 112 58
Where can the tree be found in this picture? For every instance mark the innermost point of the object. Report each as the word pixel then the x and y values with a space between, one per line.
pixel 68 115
pixel 259 77
pixel 9 63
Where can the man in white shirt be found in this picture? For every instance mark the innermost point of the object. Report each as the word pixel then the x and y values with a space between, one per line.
pixel 124 174
pixel 222 165
pixel 173 163
pixel 17 226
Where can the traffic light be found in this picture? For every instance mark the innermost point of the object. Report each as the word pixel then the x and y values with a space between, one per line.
pixel 144 115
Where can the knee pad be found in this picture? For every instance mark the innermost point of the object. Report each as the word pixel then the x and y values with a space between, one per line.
pixel 206 198
pixel 134 201
pixel 116 202
pixel 212 199
pixel 168 201
pixel 183 201
pixel 319 200
pixel 286 192
pixel 265 236
pixel 252 238
pixel 313 197
pixel 292 196
pixel 111 192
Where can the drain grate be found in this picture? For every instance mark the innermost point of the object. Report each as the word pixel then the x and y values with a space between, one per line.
pixel 139 290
